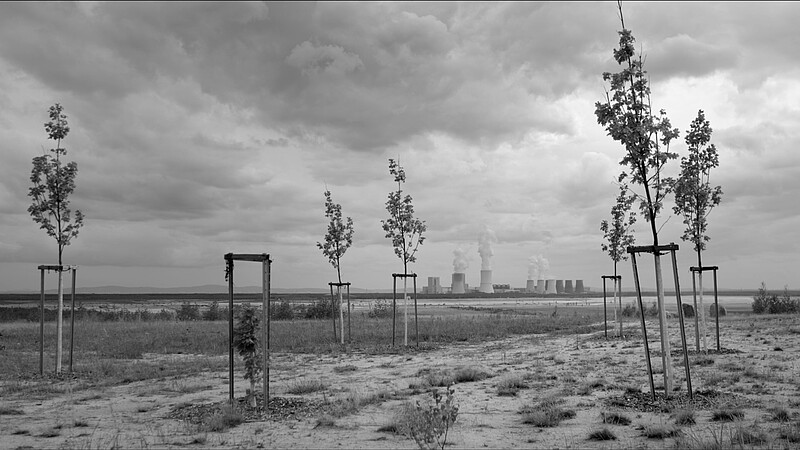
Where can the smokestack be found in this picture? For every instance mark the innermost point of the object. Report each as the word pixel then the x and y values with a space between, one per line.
pixel 486 282
pixel 540 286
pixel 568 287
pixel 459 285
pixel 560 286
pixel 530 286
pixel 579 289
pixel 550 287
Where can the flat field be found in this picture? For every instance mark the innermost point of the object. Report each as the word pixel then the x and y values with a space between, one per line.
pixel 547 375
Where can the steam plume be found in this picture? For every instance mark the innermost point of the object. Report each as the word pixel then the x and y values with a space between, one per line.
pixel 460 260
pixel 538 266
pixel 485 241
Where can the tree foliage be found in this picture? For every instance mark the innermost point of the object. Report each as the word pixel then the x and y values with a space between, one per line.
pixel 405 230
pixel 53 182
pixel 617 233
pixel 628 118
pixel 339 236
pixel 246 342
pixel 694 195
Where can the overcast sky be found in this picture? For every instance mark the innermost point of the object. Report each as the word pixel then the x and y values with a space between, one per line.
pixel 206 128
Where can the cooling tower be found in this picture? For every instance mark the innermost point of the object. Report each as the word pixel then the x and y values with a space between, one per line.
pixel 458 286
pixel 550 287
pixel 530 286
pixel 568 287
pixel 540 286
pixel 559 286
pixel 486 282
pixel 579 289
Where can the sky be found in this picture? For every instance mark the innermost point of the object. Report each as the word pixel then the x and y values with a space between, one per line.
pixel 203 128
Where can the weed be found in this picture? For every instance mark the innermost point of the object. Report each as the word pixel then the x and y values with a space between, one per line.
pixel 660 432
pixel 6 411
pixel 685 417
pixel 791 433
pixel 547 417
pixel 55 432
pixel 602 435
pixel 510 385
pixel 468 374
pixel 306 387
pixel 325 421
pixel 429 424
pixel 727 415
pixel 355 401
pixel 779 414
pixel 21 432
pixel 80 423
pixel 615 418
pixel 753 436
pixel 228 417
pixel 345 368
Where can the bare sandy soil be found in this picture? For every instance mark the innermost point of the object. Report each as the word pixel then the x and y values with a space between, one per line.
pixel 755 374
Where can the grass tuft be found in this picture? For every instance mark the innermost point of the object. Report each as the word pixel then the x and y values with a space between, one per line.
pixel 660 432
pixel 228 417
pixel 685 417
pixel 615 418
pixel 727 415
pixel 306 387
pixel 510 386
pixel 602 435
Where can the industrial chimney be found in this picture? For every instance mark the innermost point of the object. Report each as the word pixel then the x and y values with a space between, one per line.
pixel 568 288
pixel 579 289
pixel 486 282
pixel 459 285
pixel 540 286
pixel 530 286
pixel 559 286
pixel 550 287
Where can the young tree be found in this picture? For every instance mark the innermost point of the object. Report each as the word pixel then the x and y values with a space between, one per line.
pixel 245 340
pixel 53 182
pixel 403 229
pixel 628 118
pixel 618 237
pixel 338 239
pixel 694 197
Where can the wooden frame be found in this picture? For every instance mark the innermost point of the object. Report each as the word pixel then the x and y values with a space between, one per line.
pixel 333 313
pixel 672 248
pixel 266 264
pixel 694 271
pixel 395 276
pixel 56 268
pixel 618 282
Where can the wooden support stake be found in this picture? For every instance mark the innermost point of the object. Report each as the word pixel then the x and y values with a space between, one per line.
pixel 41 328
pixel 644 327
pixel 683 332
pixel 229 269
pixel 72 322
pixel 394 305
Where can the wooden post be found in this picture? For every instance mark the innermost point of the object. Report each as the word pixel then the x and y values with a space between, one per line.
pixel 333 311
pixel 696 313
pixel 229 271
pixel 683 332
pixel 416 316
pixel 605 313
pixel 644 327
pixel 716 305
pixel 72 322
pixel 349 313
pixel 266 268
pixel 41 327
pixel 394 304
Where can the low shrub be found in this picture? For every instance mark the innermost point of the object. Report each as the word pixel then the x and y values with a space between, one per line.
pixel 602 435
pixel 766 303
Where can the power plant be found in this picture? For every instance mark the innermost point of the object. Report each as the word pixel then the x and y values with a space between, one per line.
pixel 459 285
pixel 550 287
pixel 568 288
pixel 486 282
